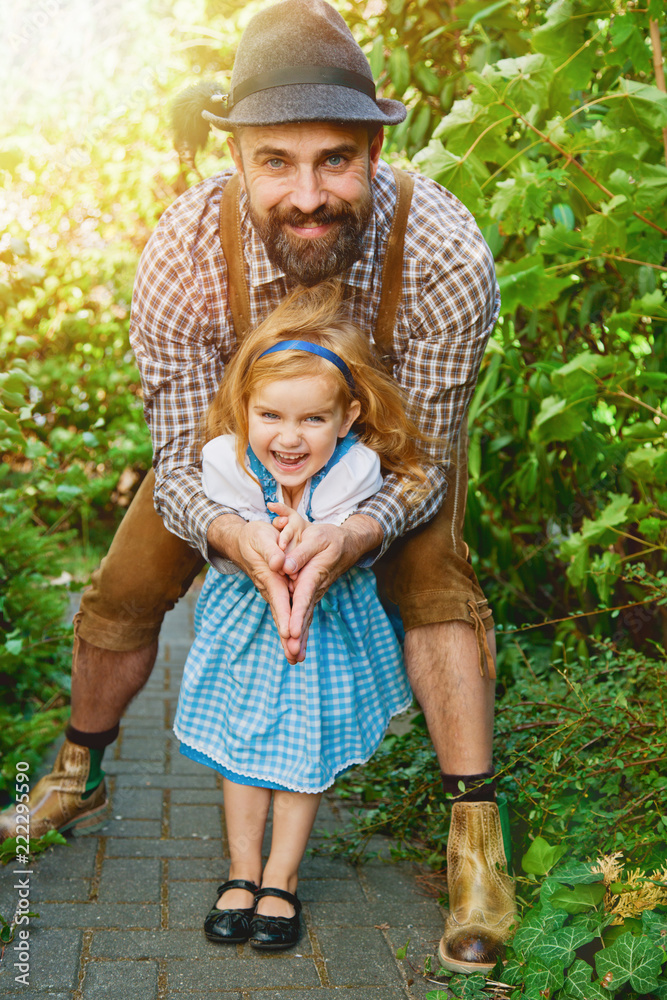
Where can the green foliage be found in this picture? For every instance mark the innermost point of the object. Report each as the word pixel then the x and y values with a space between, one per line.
pixel 582 765
pixel 562 948
pixel 558 151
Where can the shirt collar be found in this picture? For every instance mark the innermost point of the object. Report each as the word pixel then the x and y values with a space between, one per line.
pixel 263 272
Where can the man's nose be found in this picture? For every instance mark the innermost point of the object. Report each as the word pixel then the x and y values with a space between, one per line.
pixel 308 194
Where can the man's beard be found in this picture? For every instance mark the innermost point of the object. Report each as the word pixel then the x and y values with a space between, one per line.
pixel 309 261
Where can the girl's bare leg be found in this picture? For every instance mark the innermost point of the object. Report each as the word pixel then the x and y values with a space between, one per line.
pixel 246 809
pixel 293 817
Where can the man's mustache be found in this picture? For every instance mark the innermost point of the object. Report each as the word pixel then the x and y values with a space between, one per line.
pixel 322 216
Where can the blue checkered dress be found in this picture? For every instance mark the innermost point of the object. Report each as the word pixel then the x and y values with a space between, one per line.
pixel 259 720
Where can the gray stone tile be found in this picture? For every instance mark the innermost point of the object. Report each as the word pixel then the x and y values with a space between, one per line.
pixel 141 768
pixel 136 803
pixel 286 972
pixel 196 797
pixel 58 890
pixel 120 980
pixel 130 880
pixel 331 889
pixel 318 866
pixel 204 780
pixel 54 961
pixel 201 821
pixel 198 869
pixel 132 828
pixel 144 748
pixel 147 848
pixel 391 882
pixel 331 914
pixel 149 706
pixel 189 902
pixel 359 959
pixel 91 915
pixel 159 944
pixel 76 859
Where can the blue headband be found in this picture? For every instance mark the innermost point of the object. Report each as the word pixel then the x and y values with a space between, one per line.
pixel 322 352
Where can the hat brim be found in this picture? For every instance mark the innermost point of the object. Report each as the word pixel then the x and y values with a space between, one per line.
pixel 310 103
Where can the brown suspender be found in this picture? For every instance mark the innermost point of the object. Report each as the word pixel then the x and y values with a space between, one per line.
pixel 230 237
pixel 392 270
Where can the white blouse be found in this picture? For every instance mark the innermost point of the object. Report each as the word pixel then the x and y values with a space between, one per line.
pixel 352 479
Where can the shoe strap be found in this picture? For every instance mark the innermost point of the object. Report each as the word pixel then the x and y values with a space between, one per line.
pixel 237 883
pixel 289 897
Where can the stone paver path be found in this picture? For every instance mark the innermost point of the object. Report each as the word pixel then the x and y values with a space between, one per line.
pixel 121 910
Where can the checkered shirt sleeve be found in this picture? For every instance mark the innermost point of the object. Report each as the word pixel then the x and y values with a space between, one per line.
pixel 180 339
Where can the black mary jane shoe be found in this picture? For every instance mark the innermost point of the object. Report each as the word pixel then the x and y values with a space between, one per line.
pixel 230 926
pixel 273 933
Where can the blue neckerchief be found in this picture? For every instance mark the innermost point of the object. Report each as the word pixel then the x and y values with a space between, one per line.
pixel 269 485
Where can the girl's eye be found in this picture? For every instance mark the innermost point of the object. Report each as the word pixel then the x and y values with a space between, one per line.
pixel 270 416
pixel 316 419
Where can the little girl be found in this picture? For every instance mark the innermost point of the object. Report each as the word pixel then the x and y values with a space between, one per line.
pixel 298 431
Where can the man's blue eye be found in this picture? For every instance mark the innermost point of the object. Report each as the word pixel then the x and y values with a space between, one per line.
pixel 335 160
pixel 275 163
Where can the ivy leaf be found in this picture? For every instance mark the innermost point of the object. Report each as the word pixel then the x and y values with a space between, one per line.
pixel 576 872
pixel 633 959
pixel 578 985
pixel 533 929
pixel 579 899
pixel 541 857
pixel 540 978
pixel 654 926
pixel 559 947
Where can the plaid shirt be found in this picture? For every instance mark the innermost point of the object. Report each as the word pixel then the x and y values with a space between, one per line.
pixel 182 334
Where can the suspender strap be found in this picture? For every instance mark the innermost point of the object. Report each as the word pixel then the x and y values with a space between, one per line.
pixel 230 237
pixel 392 270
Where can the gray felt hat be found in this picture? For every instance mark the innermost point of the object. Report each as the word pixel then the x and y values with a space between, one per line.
pixel 298 62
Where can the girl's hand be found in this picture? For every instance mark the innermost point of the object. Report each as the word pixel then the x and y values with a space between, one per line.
pixel 290 525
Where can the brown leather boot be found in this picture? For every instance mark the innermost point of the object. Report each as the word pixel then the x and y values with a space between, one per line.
pixel 482 907
pixel 56 802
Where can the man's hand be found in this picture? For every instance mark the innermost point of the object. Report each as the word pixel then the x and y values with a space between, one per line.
pixel 290 525
pixel 253 547
pixel 323 554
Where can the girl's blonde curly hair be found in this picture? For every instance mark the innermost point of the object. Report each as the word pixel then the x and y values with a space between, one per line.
pixel 315 315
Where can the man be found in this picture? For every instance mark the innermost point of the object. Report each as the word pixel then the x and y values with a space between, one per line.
pixel 316 201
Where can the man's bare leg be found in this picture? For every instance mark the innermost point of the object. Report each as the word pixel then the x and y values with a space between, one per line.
pixel 73 796
pixel 104 682
pixel 457 701
pixel 443 666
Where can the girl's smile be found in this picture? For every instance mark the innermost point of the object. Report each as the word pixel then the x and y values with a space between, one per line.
pixel 293 427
